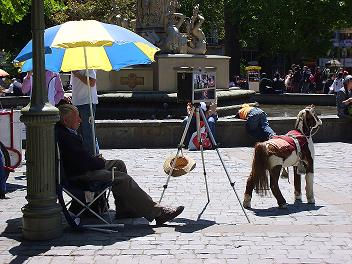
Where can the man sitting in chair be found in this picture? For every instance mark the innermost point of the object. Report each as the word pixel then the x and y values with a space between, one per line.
pixel 82 167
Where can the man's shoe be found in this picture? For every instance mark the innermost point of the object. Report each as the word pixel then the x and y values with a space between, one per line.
pixel 3 196
pixel 168 214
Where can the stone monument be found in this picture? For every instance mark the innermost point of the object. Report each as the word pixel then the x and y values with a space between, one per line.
pixel 159 22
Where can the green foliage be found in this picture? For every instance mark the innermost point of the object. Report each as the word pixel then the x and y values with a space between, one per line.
pixel 294 28
pixel 13 11
pixel 102 10
pixel 291 26
pixel 6 62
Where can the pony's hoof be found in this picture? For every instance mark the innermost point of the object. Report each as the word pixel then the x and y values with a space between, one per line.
pixel 284 173
pixel 247 201
pixel 283 206
pixel 298 198
pixel 311 201
pixel 246 205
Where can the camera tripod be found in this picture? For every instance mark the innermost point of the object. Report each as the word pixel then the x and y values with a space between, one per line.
pixel 196 108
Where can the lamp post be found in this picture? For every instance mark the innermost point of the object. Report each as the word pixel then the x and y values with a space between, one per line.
pixel 42 214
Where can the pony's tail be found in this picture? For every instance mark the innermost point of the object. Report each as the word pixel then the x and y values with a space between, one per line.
pixel 259 169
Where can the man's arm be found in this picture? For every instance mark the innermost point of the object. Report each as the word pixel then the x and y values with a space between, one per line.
pixel 74 153
pixel 27 83
pixel 59 90
pixel 83 78
pixel 341 107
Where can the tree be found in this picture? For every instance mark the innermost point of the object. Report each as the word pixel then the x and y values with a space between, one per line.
pixel 102 10
pixel 13 11
pixel 294 29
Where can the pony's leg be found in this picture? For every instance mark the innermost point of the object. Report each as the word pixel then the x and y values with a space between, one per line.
pixel 309 187
pixel 274 186
pixel 248 193
pixel 309 182
pixel 297 182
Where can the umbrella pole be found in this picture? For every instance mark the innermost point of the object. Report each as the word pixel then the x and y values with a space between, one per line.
pixel 91 119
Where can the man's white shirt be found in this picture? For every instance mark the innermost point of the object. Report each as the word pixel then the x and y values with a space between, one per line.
pixel 80 95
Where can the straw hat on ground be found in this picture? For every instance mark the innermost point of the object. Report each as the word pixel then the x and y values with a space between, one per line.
pixel 183 165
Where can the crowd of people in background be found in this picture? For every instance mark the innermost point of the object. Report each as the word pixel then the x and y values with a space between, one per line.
pixel 298 80
pixel 317 80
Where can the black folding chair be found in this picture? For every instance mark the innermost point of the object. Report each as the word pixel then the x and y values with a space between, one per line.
pixel 79 194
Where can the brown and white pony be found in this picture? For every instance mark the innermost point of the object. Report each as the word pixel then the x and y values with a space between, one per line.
pixel 268 157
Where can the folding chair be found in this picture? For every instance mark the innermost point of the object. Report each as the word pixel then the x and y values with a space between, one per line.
pixel 85 196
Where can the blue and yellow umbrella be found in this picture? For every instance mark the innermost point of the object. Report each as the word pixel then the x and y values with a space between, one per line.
pixel 89 44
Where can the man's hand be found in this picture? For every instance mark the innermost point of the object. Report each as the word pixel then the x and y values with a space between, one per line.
pixel 76 73
pixel 100 156
pixel 68 99
pixel 189 108
pixel 348 101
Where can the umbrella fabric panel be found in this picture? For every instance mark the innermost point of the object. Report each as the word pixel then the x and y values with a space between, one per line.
pixel 122 35
pixel 105 58
pixel 126 55
pixel 49 35
pixel 127 49
pixel 53 61
pixel 26 52
pixel 88 33
pixel 147 50
pixel 96 59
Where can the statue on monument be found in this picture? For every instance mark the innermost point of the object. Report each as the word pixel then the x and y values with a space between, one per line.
pixel 159 22
pixel 197 42
pixel 175 42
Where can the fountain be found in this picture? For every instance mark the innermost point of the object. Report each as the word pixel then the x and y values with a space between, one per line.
pixel 149 91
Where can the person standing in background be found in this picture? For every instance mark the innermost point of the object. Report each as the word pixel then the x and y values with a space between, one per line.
pixel 337 84
pixel 80 98
pixel 344 99
pixel 289 82
pixel 53 83
pixel 318 79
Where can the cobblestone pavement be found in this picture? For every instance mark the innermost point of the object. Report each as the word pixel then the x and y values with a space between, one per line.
pixel 219 233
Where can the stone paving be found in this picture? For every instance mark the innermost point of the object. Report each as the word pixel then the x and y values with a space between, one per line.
pixel 213 233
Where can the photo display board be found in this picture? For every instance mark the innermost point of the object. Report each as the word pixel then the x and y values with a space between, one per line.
pixel 204 87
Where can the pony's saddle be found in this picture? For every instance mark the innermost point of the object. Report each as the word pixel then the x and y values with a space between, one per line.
pixel 284 145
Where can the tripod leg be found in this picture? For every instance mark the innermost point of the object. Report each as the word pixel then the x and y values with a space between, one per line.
pixel 222 161
pixel 179 148
pixel 201 150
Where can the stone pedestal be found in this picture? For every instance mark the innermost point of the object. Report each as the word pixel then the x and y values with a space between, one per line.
pixel 161 74
pixel 137 78
pixel 42 214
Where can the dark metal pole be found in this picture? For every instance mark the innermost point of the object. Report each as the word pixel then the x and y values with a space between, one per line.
pixel 42 214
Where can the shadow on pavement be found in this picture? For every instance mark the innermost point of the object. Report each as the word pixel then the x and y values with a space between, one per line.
pixel 14 187
pixel 191 226
pixel 291 209
pixel 27 248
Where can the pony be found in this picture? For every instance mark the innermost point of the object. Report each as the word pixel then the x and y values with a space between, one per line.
pixel 295 149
